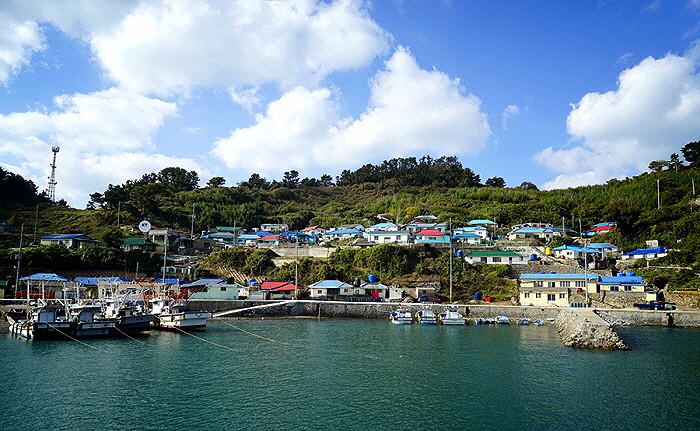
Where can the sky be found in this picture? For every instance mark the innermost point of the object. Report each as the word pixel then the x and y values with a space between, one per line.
pixel 557 93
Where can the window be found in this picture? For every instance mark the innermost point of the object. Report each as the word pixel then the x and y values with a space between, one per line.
pixel 538 283
pixel 376 237
pixel 526 295
pixel 562 296
pixel 614 288
pixel 580 284
pixel 223 288
pixel 551 297
pixel 496 259
pixel 538 295
pixel 551 284
pixel 565 284
pixel 628 288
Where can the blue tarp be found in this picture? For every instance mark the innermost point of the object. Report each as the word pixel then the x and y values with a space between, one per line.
pixel 41 276
pixel 92 281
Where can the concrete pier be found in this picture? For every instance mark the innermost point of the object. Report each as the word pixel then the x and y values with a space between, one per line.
pixel 583 327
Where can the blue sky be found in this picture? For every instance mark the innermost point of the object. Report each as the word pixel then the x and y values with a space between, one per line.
pixel 557 93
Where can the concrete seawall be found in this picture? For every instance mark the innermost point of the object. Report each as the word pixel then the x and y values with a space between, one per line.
pixel 577 327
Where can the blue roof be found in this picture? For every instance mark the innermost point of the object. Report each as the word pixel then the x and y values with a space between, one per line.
pixel 481 221
pixel 605 223
pixel 344 232
pixel 622 280
pixel 385 225
pixel 655 250
pixel 532 229
pixel 326 284
pixel 558 276
pixel 92 281
pixel 44 277
pixel 204 282
pixel 466 235
pixel 79 236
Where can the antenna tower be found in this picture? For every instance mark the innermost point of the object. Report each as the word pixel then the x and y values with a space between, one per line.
pixel 52 178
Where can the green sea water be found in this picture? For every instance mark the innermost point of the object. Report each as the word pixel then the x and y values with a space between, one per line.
pixel 304 374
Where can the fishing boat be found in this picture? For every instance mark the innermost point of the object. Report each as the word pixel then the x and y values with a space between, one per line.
pixel 523 321
pixel 451 317
pixel 172 314
pixel 45 322
pixel 426 316
pixel 129 317
pixel 538 322
pixel 401 315
pixel 502 320
pixel 485 321
pixel 88 322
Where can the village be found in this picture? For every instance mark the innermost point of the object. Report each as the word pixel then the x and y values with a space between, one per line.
pixel 576 275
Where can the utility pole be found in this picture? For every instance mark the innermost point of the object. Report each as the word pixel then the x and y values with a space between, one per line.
pixel 19 262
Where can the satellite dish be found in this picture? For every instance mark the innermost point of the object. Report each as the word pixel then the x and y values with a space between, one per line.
pixel 145 226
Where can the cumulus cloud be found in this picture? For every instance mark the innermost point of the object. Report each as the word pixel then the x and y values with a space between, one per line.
pixel 98 133
pixel 19 40
pixel 410 111
pixel 170 47
pixel 654 111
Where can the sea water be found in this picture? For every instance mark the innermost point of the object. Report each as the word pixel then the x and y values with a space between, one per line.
pixel 286 374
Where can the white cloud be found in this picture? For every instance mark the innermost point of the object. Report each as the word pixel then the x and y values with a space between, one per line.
pixel 104 137
pixel 171 46
pixel 508 114
pixel 19 40
pixel 411 112
pixel 654 112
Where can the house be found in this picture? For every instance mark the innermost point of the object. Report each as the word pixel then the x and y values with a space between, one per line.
pixel 527 233
pixel 165 237
pixel 376 291
pixel 418 225
pixel 574 251
pixel 248 239
pixel 329 289
pixel 490 257
pixel 342 234
pixel 554 288
pixel 145 244
pixel 271 240
pixel 347 227
pixel 274 227
pixel 432 236
pixel 278 289
pixel 316 231
pixel 645 253
pixel 388 237
pixel 72 241
pixel 467 238
pixel 622 282
pixel 386 226
pixel 219 291
pixel 481 231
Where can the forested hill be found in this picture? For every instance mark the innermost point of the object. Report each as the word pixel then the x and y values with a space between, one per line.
pixel 658 205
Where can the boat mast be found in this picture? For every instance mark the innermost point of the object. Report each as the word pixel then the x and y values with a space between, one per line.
pixel 450 232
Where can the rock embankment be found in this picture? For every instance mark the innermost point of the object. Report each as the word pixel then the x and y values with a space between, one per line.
pixel 583 328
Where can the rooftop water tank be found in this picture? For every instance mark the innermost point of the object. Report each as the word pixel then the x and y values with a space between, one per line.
pixel 372 278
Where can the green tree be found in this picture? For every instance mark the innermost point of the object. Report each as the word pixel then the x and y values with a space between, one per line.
pixel 178 179
pixel 495 182
pixel 691 153
pixel 216 182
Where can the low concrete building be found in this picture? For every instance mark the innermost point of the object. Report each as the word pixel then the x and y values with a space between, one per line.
pixel 490 257
pixel 553 288
pixel 388 237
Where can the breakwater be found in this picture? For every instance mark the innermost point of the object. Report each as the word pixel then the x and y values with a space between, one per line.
pixel 584 328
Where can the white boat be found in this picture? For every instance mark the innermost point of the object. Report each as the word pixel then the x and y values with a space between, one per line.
pixel 45 322
pixel 538 322
pixel 502 320
pixel 88 321
pixel 451 317
pixel 426 316
pixel 171 314
pixel 523 321
pixel 129 318
pixel 485 321
pixel 401 315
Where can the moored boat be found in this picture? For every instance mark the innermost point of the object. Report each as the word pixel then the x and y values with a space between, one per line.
pixel 88 322
pixel 129 318
pixel 523 321
pixel 451 317
pixel 426 316
pixel 538 322
pixel 46 322
pixel 170 314
pixel 502 320
pixel 401 315
pixel 485 321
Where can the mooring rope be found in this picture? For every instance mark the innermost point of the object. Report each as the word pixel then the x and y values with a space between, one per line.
pixel 75 339
pixel 205 340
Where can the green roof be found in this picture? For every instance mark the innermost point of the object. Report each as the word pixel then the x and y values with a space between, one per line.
pixel 494 253
pixel 228 228
pixel 138 241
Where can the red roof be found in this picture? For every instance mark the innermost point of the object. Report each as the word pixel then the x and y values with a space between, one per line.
pixel 270 238
pixel 278 286
pixel 430 232
pixel 306 229
pixel 602 228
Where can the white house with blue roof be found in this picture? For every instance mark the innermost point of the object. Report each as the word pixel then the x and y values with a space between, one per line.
pixel 384 226
pixel 527 233
pixel 342 234
pixel 645 253
pixel 329 289
pixel 388 237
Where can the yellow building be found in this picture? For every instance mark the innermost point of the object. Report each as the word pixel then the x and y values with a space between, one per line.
pixel 552 289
